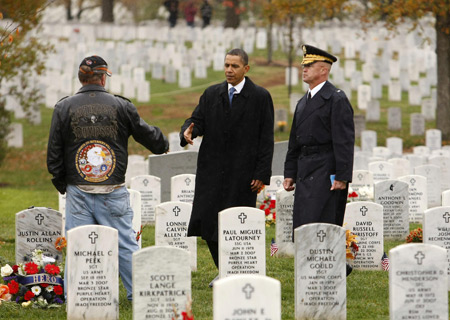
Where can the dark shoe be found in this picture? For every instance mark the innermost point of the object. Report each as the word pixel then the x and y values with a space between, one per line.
pixel 213 280
pixel 349 269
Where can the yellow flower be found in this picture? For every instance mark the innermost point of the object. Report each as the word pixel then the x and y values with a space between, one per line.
pixel 26 304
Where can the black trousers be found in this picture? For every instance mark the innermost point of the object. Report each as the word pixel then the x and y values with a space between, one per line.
pixel 214 250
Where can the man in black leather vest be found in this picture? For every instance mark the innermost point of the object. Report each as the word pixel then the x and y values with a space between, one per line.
pixel 87 156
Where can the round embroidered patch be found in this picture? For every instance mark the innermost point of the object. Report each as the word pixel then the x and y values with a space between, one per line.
pixel 95 161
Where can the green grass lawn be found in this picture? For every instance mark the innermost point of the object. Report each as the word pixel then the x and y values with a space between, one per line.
pixel 25 182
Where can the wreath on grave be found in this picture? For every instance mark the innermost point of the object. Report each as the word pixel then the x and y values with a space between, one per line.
pixel 37 283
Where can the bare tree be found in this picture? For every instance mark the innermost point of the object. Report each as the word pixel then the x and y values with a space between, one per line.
pixel 107 11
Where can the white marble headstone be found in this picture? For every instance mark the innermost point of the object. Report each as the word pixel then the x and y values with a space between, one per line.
pixel 364 96
pixel 361 160
pixel 381 152
pixel 365 220
pixel 418 282
pixel 362 184
pixel 368 140
pixel 444 163
pixel 395 145
pixel 14 138
pixel 136 206
pixel 393 196
pixel 182 188
pixel 433 139
pixel 428 109
pixel 421 151
pixel 436 230
pixel 381 170
pixel 174 141
pixel 172 221
pixel 161 282
pixel 37 228
pixel 418 197
pixel 247 297
pixel 394 118
pixel 150 189
pixel 92 275
pixel 433 174
pixel 62 209
pixel 417 126
pixel 137 166
pixel 445 198
pixel 400 167
pixel 242 241
pixel 320 272
pixel 185 79
pixel 284 217
pixel 276 183
pixel 395 90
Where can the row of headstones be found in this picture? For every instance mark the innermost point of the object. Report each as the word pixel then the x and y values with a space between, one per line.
pixel 185 162
pixel 387 217
pixel 416 120
pixel 373 90
pixel 433 141
pixel 162 278
pixel 171 57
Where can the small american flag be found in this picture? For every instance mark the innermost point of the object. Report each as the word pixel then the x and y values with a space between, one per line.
pixel 385 262
pixel 273 247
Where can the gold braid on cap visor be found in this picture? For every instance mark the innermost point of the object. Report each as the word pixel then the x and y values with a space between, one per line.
pixel 309 58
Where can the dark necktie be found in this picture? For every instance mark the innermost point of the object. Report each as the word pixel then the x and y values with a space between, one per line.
pixel 231 93
pixel 308 97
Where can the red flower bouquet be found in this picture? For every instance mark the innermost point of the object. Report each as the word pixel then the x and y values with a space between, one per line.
pixel 35 282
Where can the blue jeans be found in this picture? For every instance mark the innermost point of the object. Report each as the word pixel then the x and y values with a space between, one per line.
pixel 111 210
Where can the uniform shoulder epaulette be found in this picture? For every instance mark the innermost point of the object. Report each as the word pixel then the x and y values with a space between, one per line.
pixel 340 92
pixel 116 95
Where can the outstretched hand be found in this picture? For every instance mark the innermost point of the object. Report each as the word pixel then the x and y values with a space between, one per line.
pixel 188 134
pixel 288 184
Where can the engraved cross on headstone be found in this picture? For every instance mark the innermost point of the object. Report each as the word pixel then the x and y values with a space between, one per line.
pixel 446 216
pixel 412 181
pixel 242 216
pixel 176 210
pixel 381 167
pixel 278 183
pixel 248 290
pixel 363 210
pixel 360 176
pixel 93 236
pixel 39 218
pixel 321 235
pixel 419 257
pixel 188 181
pixel 145 182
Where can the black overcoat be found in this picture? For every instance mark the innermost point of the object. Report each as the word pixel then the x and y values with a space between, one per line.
pixel 321 144
pixel 237 147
